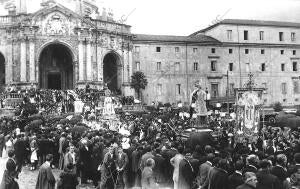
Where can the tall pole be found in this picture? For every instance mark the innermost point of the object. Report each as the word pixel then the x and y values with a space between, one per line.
pixel 227 94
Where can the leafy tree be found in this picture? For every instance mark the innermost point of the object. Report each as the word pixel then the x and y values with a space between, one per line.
pixel 138 82
pixel 277 107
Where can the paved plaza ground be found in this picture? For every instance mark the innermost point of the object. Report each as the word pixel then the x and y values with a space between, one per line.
pixel 27 179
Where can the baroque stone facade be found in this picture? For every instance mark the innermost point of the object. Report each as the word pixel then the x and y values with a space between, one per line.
pixel 61 49
pixel 58 48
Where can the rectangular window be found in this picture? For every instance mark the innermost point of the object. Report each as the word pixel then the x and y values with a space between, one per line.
pixel 246 51
pixel 137 49
pixel 158 49
pixel 263 67
pixel 213 66
pixel 229 35
pixel 178 88
pixel 231 89
pixel 295 66
pixel 137 66
pixel 283 88
pixel 159 89
pixel 214 90
pixel 245 34
pixel 195 66
pixel 230 51
pixel 261 35
pixel 296 87
pixel 262 51
pixel 283 67
pixel 177 49
pixel 195 50
pixel 293 36
pixel 281 36
pixel 247 67
pixel 281 51
pixel 294 52
pixel 158 66
pixel 177 66
pixel 231 66
pixel 213 50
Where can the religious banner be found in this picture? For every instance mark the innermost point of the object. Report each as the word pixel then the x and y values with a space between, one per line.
pixel 78 106
pixel 248 103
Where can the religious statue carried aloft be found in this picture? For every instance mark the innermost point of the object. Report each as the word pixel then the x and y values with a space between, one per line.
pixel 198 103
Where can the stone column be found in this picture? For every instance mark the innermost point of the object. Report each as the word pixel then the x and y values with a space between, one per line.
pixel 99 64
pixel 89 66
pixel 129 65
pixel 9 63
pixel 32 78
pixel 23 61
pixel 124 65
pixel 80 60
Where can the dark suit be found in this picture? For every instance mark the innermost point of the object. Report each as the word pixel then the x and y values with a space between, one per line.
pixel 203 173
pixel 293 169
pixel 217 179
pixel 68 180
pixel 2 143
pixel 121 163
pixel 9 175
pixel 235 179
pixel 250 168
pixel 45 179
pixel 186 174
pixel 159 168
pixel 20 148
pixel 245 186
pixel 85 161
pixel 135 158
pixel 265 180
pixel 280 173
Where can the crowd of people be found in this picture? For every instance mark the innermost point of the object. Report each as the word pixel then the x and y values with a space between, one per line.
pixel 152 153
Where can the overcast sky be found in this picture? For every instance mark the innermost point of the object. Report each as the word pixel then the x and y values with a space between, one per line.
pixel 183 17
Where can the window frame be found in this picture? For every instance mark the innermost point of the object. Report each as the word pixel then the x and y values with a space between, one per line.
pixel 281 36
pixel 263 67
pixel 213 65
pixel 229 35
pixel 158 66
pixel 158 49
pixel 261 35
pixel 137 65
pixel 295 66
pixel 246 35
pixel 196 66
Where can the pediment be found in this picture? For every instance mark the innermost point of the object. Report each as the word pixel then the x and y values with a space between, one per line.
pixel 58 20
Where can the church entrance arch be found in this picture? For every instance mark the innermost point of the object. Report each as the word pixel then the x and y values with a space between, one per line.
pixel 112 72
pixel 2 72
pixel 56 67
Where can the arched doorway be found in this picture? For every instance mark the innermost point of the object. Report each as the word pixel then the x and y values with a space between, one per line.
pixel 56 67
pixel 2 72
pixel 111 72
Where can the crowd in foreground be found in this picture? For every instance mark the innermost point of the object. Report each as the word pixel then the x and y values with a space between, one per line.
pixel 152 154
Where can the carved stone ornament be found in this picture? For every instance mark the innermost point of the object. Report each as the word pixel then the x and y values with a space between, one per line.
pixel 56 25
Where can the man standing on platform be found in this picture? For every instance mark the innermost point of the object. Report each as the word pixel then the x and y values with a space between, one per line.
pixel 198 105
